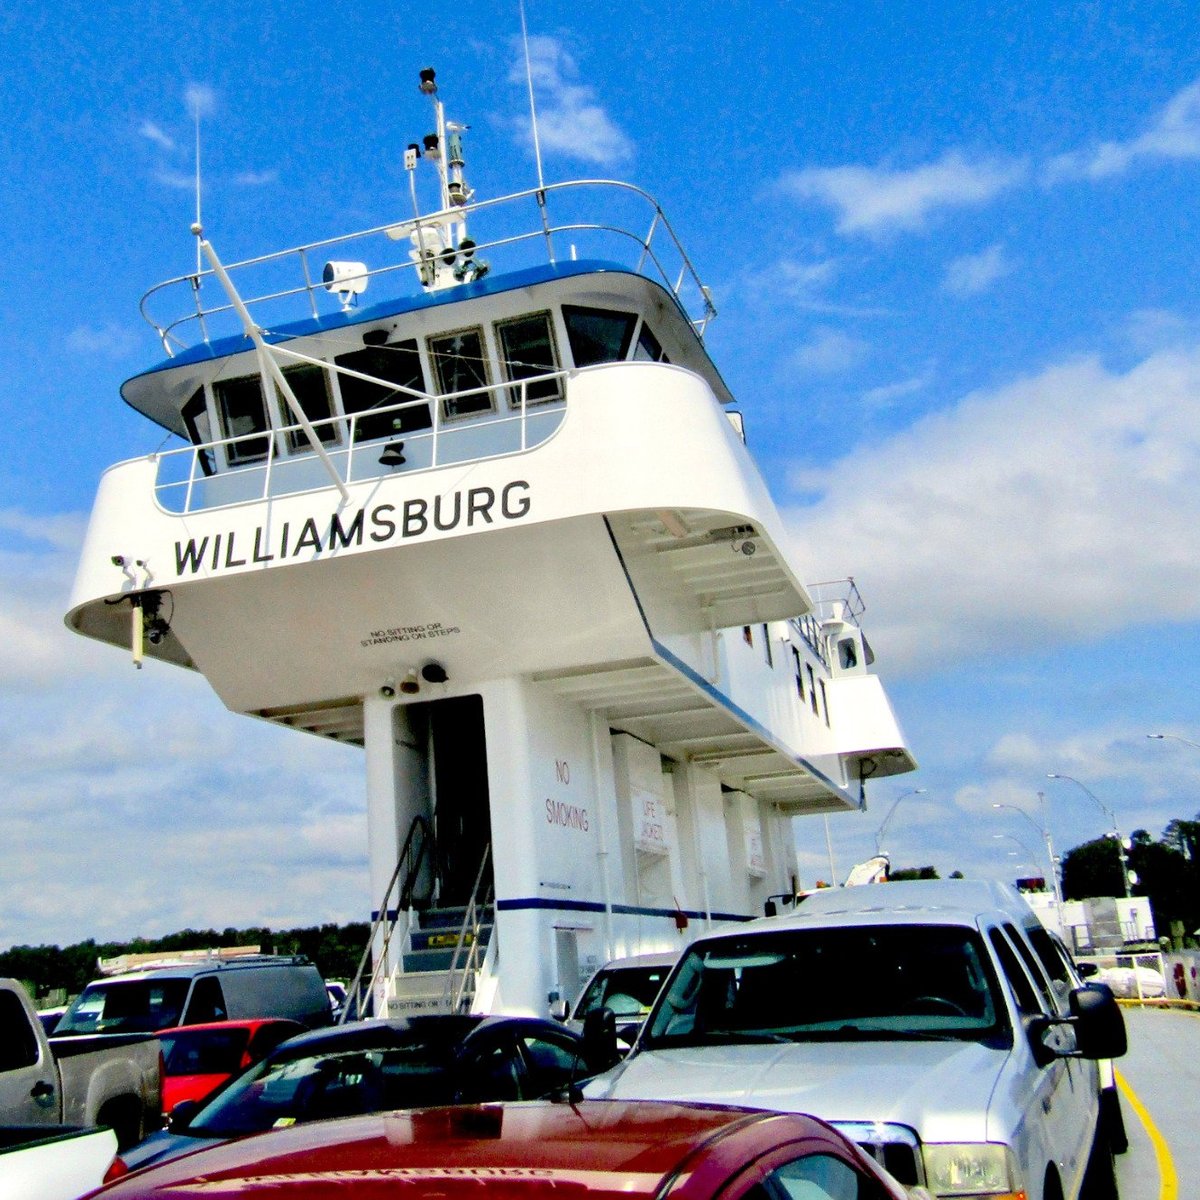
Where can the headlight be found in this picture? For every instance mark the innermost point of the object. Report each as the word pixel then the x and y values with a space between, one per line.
pixel 980 1169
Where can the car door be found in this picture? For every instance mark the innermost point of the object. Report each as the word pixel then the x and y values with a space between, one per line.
pixel 28 1077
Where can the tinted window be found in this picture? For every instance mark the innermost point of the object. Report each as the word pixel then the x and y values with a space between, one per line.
pixel 460 365
pixel 597 335
pixel 854 983
pixel 126 1006
pixel 199 428
pixel 1032 966
pixel 207 1002
pixel 203 1051
pixel 1053 958
pixel 398 364
pixel 19 1046
pixel 648 348
pixel 243 416
pixel 819 1177
pixel 1018 981
pixel 310 386
pixel 549 1064
pixel 628 991
pixel 527 350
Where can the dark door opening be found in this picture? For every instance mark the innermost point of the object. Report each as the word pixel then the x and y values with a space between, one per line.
pixel 462 820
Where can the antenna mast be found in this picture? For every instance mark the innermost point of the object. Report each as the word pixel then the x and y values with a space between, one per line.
pixel 196 115
pixel 537 145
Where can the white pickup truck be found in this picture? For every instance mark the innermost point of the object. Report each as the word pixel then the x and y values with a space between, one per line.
pixel 930 1021
pixel 102 1079
pixel 53 1162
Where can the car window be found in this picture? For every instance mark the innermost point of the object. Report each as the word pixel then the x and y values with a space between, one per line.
pixel 495 1072
pixel 1033 966
pixel 1053 957
pixel 550 1064
pixel 126 1006
pixel 20 1047
pixel 1018 981
pixel 628 991
pixel 817 1177
pixel 203 1051
pixel 207 1002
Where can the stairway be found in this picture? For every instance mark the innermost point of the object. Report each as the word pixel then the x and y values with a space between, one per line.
pixel 438 974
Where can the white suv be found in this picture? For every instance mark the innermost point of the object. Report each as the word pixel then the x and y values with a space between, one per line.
pixel 916 1017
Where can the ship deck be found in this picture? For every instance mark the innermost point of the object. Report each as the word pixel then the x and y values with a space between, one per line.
pixel 1159 1081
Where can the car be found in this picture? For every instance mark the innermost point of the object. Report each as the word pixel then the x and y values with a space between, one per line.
pixel 199 1058
pixel 628 987
pixel 378 1064
pixel 918 1017
pixel 539 1151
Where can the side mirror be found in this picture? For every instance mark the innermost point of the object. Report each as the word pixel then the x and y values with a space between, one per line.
pixel 600 1039
pixel 1099 1025
pixel 1087 970
pixel 560 1010
pixel 180 1117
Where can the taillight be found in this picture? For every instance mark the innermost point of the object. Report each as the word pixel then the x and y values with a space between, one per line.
pixel 116 1169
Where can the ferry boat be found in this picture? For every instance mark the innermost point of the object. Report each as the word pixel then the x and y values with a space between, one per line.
pixel 500 528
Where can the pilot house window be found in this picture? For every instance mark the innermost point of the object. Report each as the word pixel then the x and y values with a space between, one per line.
pixel 243 417
pixel 597 335
pixel 527 350
pixel 398 364
pixel 460 365
pixel 310 386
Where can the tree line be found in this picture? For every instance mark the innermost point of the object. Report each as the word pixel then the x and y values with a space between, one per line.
pixel 335 949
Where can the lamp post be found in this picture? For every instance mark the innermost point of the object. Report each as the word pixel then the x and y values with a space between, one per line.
pixel 1033 854
pixel 887 820
pixel 1108 812
pixel 1045 836
pixel 1158 737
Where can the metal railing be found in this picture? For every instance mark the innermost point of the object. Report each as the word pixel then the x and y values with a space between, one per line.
pixel 270 472
pixel 281 285
pixel 466 949
pixel 409 863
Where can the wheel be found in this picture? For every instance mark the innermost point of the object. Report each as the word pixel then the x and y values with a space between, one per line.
pixel 1112 1121
pixel 1100 1178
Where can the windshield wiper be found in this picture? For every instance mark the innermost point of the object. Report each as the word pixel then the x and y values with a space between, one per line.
pixel 724 1037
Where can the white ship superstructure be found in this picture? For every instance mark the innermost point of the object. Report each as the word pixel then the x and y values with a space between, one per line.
pixel 500 530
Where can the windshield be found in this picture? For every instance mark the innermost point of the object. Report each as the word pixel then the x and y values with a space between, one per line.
pixel 126 1006
pixel 203 1051
pixel 888 982
pixel 627 991
pixel 273 1094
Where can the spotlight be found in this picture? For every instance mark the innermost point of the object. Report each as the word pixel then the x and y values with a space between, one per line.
pixel 428 78
pixel 410 685
pixel 118 560
pixel 156 630
pixel 393 455
pixel 388 691
pixel 434 672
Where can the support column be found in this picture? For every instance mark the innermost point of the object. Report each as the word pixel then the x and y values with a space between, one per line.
pixel 397 791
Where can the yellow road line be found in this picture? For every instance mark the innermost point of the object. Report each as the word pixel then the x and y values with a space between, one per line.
pixel 1168 1181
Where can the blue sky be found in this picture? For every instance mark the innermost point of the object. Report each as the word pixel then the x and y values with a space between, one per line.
pixel 953 254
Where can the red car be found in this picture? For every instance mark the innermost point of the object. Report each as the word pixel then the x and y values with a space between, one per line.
pixel 599 1149
pixel 196 1058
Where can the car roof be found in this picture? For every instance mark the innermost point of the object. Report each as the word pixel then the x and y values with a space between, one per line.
pixel 614 1149
pixel 664 958
pixel 251 1023
pixel 949 901
pixel 189 970
pixel 379 1033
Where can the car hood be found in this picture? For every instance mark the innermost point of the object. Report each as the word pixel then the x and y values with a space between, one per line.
pixel 941 1088
pixel 162 1146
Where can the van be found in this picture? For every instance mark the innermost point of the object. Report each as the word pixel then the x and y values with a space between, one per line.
pixel 155 997
pixel 919 1018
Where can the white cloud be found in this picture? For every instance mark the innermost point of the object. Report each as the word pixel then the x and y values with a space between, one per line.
pixel 828 352
pixel 179 180
pixel 570 121
pixel 155 133
pixel 110 341
pixel 1062 506
pixel 1173 134
pixel 200 100
pixel 255 178
pixel 975 273
pixel 875 200
pixel 886 395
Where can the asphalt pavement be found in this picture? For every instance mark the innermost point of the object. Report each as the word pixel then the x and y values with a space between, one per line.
pixel 1161 1074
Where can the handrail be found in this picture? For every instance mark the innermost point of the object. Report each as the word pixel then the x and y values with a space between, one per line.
pixel 354 994
pixel 452 995
pixel 700 309
pixel 269 464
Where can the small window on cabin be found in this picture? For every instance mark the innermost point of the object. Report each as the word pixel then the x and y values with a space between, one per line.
pixel 598 335
pixel 799 672
pixel 243 416
pixel 397 364
pixel 310 386
pixel 847 653
pixel 460 365
pixel 526 351
pixel 767 646
pixel 747 635
pixel 812 687
pixel 648 348
pixel 199 429
pixel 824 700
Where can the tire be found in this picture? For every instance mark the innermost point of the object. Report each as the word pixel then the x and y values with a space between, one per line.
pixel 124 1117
pixel 1100 1178
pixel 1112 1121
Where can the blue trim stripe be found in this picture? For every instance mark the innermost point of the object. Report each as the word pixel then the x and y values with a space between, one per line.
pixel 526 903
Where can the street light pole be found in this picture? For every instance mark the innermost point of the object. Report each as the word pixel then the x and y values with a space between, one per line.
pixel 1158 737
pixel 1112 816
pixel 1045 835
pixel 887 820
